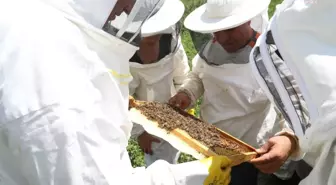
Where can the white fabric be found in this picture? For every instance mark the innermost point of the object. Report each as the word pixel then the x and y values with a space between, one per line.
pixel 159 82
pixel 279 87
pixel 63 116
pixel 260 22
pixel 306 40
pixel 233 101
pixel 162 151
pixel 95 14
pixel 158 23
pixel 288 169
pixel 217 15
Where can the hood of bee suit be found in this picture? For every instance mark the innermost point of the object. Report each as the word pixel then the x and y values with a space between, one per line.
pixel 306 40
pixel 162 21
pixel 94 12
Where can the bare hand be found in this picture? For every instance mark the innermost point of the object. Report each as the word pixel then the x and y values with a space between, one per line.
pixel 274 153
pixel 181 100
pixel 145 142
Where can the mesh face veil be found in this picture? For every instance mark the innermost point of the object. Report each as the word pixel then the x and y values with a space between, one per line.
pixel 127 26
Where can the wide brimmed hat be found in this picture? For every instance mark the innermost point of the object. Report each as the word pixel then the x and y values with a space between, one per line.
pixel 163 20
pixel 217 15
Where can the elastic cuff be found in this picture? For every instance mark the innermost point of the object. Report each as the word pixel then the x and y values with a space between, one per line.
pixel 190 95
pixel 297 154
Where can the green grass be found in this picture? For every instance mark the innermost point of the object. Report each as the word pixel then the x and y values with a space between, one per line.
pixel 191 42
pixel 272 6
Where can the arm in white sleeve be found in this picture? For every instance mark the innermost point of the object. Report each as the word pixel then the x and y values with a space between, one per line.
pixel 281 126
pixel 193 84
pixel 181 67
pixel 61 146
pixel 71 131
pixel 287 130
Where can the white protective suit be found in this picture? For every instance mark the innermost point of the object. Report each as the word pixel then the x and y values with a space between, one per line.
pixel 159 82
pixel 304 35
pixel 64 117
pixel 232 99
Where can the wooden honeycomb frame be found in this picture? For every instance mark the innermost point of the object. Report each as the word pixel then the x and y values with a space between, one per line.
pixel 182 141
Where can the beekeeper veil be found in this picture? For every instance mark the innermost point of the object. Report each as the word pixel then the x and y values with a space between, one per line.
pixel 151 17
pixel 133 16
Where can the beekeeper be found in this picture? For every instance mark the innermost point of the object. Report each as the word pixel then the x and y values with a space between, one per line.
pixel 64 96
pixel 158 69
pixel 298 75
pixel 232 98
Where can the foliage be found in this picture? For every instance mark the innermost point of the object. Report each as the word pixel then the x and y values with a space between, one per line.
pixel 135 153
pixel 191 43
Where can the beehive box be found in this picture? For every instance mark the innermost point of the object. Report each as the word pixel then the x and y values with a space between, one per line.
pixel 188 133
